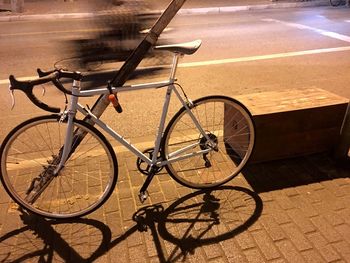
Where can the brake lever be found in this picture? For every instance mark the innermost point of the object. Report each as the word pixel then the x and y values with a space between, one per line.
pixel 13 102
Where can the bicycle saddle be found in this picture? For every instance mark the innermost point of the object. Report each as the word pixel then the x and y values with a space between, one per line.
pixel 187 48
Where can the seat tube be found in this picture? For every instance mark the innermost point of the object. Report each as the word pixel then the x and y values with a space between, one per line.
pixel 165 107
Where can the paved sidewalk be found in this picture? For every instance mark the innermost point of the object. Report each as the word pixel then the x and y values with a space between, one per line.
pixel 53 9
pixel 285 211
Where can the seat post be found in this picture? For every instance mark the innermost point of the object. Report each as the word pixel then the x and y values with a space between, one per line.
pixel 176 57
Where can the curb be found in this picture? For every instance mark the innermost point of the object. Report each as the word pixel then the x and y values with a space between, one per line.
pixel 189 11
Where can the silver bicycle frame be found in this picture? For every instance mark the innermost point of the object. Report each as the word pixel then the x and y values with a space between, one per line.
pixel 74 106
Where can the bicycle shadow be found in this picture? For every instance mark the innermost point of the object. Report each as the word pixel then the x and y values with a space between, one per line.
pixel 195 220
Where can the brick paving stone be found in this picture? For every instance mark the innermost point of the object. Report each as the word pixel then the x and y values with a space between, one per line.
pixel 290 192
pixel 155 260
pixel 119 253
pixel 169 190
pixel 102 259
pixel 310 194
pixel 331 216
pixel 232 251
pixel 154 186
pixel 112 204
pixel 157 197
pixel 123 174
pixel 312 256
pixel 274 230
pixel 136 178
pixel 218 260
pixel 254 256
pixel 245 240
pixel 326 229
pixel 273 209
pixel 283 200
pixel 183 191
pixel 306 208
pixel 280 260
pixel 151 246
pixel 171 250
pixel 137 254
pixel 4 198
pixel 267 197
pixel 213 251
pixel 323 247
pixel 127 208
pixel 334 188
pixel 124 190
pixel 266 245
pixel 344 231
pixel 289 252
pixel 296 237
pixel 343 248
pixel 113 221
pixel 345 215
pixel 335 203
pixel 301 221
pixel 98 215
pixel 135 239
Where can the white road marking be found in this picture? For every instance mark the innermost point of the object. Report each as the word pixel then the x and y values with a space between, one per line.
pixel 316 30
pixel 236 60
pixel 263 57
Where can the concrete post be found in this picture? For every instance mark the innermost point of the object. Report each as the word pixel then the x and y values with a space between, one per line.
pixel 17 6
pixel 342 151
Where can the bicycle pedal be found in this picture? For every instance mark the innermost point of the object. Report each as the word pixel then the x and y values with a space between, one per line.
pixel 143 196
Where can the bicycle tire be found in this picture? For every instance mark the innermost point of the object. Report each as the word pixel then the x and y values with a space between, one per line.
pixel 335 2
pixel 227 122
pixel 29 153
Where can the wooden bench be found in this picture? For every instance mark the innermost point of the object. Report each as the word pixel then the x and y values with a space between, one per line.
pixel 297 122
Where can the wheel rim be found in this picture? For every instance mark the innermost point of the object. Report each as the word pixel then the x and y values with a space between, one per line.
pixel 81 186
pixel 226 122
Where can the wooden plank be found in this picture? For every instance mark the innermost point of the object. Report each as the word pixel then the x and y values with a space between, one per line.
pixel 296 99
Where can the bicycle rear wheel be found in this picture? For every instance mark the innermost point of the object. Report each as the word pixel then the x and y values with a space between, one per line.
pixel 30 154
pixel 227 123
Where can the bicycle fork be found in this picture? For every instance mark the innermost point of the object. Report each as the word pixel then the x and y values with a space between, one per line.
pixel 40 183
pixel 70 114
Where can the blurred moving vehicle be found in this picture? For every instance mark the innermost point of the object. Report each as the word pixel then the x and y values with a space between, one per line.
pixel 120 29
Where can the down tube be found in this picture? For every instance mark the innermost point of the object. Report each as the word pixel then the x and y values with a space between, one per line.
pixel 114 134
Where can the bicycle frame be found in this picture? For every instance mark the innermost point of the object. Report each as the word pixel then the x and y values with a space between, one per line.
pixel 170 84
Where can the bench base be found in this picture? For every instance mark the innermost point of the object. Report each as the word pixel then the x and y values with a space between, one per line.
pixel 295 122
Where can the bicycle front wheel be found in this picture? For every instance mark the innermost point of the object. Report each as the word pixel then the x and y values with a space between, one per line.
pixel 30 154
pixel 193 160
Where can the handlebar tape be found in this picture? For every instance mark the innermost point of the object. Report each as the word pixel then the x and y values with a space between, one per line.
pixel 45 77
pixel 27 88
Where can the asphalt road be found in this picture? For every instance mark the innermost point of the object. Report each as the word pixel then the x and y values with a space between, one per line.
pixel 244 52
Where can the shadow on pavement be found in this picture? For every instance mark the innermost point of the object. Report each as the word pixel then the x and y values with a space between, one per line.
pixel 197 219
pixel 276 175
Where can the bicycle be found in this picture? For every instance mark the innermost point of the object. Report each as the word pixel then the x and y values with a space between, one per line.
pixel 58 166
